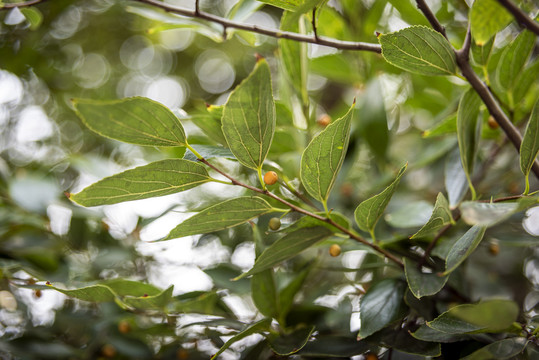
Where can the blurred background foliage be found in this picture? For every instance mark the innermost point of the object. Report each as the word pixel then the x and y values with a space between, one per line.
pixel 107 49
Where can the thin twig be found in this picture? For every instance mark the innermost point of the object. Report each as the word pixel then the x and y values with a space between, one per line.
pixel 421 5
pixel 337 44
pixel 315 31
pixel 435 240
pixel 308 213
pixel 521 17
pixel 7 6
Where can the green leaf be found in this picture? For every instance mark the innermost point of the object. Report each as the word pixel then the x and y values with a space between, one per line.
pixel 373 125
pixel 287 294
pixel 400 339
pixel 323 157
pixel 500 350
pixel 530 144
pixel 380 306
pixel 422 284
pixel 135 120
pixel 369 211
pixel 441 216
pixel 487 18
pixel 155 179
pixel 94 293
pixel 288 246
pixel 455 179
pixel 419 49
pixel 221 216
pixel 486 214
pixel 211 125
pixel 263 289
pixel 329 346
pixel 524 81
pixel 150 302
pixel 256 328
pixel 426 333
pixel 411 214
pixel 294 57
pixel 209 152
pixel 124 287
pixel 469 132
pixel 308 221
pixel 446 126
pixel 33 16
pixel 249 117
pixel 481 53
pixel 291 343
pixel 290 5
pixel 486 316
pixel 463 247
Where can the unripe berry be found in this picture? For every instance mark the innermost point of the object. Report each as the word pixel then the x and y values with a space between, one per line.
pixel 371 356
pixel 492 123
pixel 270 178
pixel 334 250
pixel 494 248
pixel 108 351
pixel 274 223
pixel 124 327
pixel 324 120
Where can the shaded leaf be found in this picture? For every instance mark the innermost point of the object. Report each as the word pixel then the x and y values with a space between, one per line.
pixel 263 289
pixel 524 81
pixel 150 302
pixel 291 343
pixel 487 18
pixel 221 216
pixel 529 148
pixel 486 214
pixel 135 120
pixel 288 246
pixel 323 157
pixel 469 132
pixel 401 339
pixel 249 117
pixel 419 49
pixel 486 316
pixel 256 328
pixel 456 183
pixel 308 221
pixel 380 306
pixel 426 333
pixel 422 284
pixel 481 53
pixel 369 211
pixel 287 294
pixel 155 179
pixel 446 126
pixel 463 247
pixel 502 349
pixel 441 216
pixel 294 57
pixel 209 152
pixel 334 346
pixel 373 125
pixel 412 214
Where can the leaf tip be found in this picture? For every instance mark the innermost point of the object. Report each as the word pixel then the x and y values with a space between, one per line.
pixel 67 194
pixel 258 57
pixel 377 34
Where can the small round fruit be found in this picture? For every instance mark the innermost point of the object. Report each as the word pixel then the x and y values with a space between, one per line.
pixel 334 250
pixel 492 123
pixel 108 351
pixel 38 293
pixel 324 120
pixel 270 178
pixel 274 223
pixel 124 327
pixel 371 356
pixel 494 248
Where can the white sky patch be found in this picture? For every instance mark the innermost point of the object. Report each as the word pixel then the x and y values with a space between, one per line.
pixel 33 125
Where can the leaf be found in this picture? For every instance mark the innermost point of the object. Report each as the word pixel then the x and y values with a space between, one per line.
pixel 263 289
pixel 288 246
pixel 463 247
pixel 469 132
pixel 400 339
pixel 487 18
pixel 291 343
pixel 323 157
pixel 249 117
pixel 524 81
pixel 422 284
pixel 290 5
pixel 256 328
pixel 308 221
pixel 94 293
pixel 412 214
pixel 446 126
pixel 209 152
pixel 211 126
pixel 529 149
pixel 487 316
pixel 369 211
pixel 155 302
pixel 502 349
pixel 419 49
pixel 294 57
pixel 155 179
pixel 426 333
pixel 33 16
pixel 481 53
pixel 221 216
pixel 373 125
pixel 135 120
pixel 441 216
pixel 329 346
pixel 455 180
pixel 486 214
pixel 287 294
pixel 124 287
pixel 380 306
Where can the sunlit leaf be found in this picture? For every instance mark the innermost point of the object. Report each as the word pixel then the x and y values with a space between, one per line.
pixel 249 117
pixel 34 16
pixel 263 289
pixel 135 120
pixel 487 18
pixel 422 284
pixel 323 157
pixel 256 328
pixel 463 247
pixel 291 343
pixel 500 350
pixel 290 5
pixel 441 216
pixel 486 316
pixel 381 306
pixel 369 211
pixel 221 216
pixel 155 179
pixel 419 49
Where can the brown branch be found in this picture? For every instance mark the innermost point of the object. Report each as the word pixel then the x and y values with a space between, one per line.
pixel 7 6
pixel 337 44
pixel 521 17
pixel 306 212
pixel 421 5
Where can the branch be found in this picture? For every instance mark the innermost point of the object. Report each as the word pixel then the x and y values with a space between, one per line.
pixel 421 5
pixel 337 44
pixel 521 17
pixel 20 4
pixel 308 213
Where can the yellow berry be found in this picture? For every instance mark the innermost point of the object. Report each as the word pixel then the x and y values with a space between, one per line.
pixel 324 120
pixel 492 123
pixel 270 178
pixel 334 250
pixel 274 223
pixel 124 327
pixel 494 248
